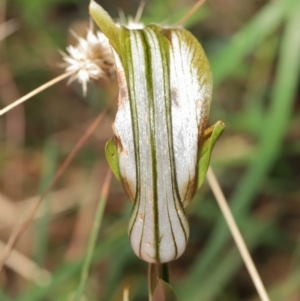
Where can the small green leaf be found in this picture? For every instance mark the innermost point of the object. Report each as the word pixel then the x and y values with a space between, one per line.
pixel 106 24
pixel 164 292
pixel 111 153
pixel 211 135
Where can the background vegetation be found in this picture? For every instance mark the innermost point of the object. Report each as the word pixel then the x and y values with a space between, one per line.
pixel 254 49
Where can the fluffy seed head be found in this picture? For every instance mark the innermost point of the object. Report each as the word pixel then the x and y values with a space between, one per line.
pixel 91 58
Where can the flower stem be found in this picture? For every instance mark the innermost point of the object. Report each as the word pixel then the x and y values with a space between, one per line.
pixel 217 191
pixel 35 91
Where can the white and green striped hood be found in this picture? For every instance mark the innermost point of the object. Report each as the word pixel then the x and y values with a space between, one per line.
pixel 164 97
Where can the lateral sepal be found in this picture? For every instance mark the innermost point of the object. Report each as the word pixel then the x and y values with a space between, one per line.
pixel 211 135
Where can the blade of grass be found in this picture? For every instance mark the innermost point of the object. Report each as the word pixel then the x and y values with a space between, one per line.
pixel 260 27
pixel 42 224
pixel 61 277
pixel 93 237
pixel 270 144
pixel 115 275
pixel 222 270
pixel 226 267
pixel 251 115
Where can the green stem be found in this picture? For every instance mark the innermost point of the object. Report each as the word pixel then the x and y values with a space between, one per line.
pixel 155 273
pixel 93 237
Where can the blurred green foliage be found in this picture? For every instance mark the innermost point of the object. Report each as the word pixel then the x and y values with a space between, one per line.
pixel 254 50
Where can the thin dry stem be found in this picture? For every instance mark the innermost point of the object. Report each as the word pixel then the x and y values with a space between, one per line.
pixel 28 215
pixel 26 268
pixel 7 28
pixel 190 12
pixel 217 191
pixel 36 91
pixel 126 294
pixel 139 12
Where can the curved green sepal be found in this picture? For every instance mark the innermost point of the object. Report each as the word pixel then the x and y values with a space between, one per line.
pixel 164 292
pixel 211 135
pixel 111 153
pixel 106 24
